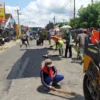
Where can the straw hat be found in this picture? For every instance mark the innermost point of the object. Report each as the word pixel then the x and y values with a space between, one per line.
pixel 48 62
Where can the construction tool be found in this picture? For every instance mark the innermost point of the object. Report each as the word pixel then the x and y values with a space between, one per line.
pixel 65 92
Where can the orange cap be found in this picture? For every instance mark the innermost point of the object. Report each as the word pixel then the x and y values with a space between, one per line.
pixel 55 38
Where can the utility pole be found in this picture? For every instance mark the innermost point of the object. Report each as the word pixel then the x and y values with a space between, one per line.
pixel 19 31
pixel 74 14
pixel 54 20
pixel 92 1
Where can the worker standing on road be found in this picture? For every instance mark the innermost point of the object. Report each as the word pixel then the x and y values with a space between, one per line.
pixel 52 32
pixel 49 75
pixel 68 38
pixel 81 41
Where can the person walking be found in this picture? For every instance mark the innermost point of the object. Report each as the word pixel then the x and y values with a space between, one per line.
pixel 41 37
pixel 51 33
pixel 68 38
pixel 48 75
pixel 27 40
pixel 23 39
pixel 81 41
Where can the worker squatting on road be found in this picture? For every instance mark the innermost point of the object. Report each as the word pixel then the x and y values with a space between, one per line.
pixel 49 76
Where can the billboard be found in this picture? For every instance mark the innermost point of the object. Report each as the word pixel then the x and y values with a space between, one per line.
pixel 2 11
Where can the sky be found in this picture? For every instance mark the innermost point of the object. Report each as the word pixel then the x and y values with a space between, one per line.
pixel 20 3
pixel 38 13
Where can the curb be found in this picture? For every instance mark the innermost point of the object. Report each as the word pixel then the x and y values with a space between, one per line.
pixel 8 45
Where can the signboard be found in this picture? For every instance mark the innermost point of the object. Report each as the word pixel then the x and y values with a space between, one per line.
pixel 2 11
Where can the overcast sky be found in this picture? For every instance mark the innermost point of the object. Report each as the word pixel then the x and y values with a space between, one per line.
pixel 40 12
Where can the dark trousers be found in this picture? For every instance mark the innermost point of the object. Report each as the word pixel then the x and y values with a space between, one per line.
pixel 68 47
pixel 27 41
pixel 23 42
pixel 49 41
pixel 41 40
pixel 34 35
pixel 56 79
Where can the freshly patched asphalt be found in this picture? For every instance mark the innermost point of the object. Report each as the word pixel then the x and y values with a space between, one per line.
pixel 20 74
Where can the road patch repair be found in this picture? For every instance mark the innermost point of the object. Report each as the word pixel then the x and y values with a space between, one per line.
pixel 23 68
pixel 26 84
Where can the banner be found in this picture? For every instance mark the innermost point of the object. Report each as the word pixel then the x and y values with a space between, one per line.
pixel 7 24
pixel 2 11
pixel 10 23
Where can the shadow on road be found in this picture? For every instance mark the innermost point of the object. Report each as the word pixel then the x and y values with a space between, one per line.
pixel 54 57
pixel 29 64
pixel 77 97
pixel 76 60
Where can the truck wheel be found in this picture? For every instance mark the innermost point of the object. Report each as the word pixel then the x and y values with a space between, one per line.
pixel 87 94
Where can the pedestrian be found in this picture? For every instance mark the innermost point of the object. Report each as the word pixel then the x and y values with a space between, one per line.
pixel 81 41
pixel 31 35
pixel 51 33
pixel 68 38
pixel 49 76
pixel 27 40
pixel 41 37
pixel 81 38
pixel 23 39
pixel 27 35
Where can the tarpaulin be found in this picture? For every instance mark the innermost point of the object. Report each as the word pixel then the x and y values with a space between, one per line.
pixel 95 36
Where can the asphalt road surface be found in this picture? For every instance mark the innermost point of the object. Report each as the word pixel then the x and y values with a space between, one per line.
pixel 20 74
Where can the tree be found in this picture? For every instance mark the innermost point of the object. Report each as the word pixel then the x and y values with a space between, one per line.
pixel 49 26
pixel 83 25
pixel 87 16
pixel 71 22
pixel 61 24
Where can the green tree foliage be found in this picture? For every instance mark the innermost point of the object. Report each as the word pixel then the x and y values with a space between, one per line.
pixel 77 22
pixel 61 24
pixel 49 26
pixel 87 16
